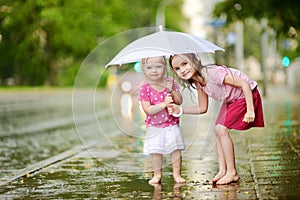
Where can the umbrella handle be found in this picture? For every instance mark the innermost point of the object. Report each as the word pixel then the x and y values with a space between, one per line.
pixel 173 80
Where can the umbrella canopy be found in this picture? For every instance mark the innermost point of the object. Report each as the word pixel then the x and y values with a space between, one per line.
pixel 162 43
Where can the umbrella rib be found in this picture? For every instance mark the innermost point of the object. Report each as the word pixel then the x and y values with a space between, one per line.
pixel 163 43
pixel 139 49
pixel 211 51
pixel 165 37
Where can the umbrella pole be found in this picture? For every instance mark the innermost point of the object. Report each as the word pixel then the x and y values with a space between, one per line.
pixel 173 80
pixel 169 89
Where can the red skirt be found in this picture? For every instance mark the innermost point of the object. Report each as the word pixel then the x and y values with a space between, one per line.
pixel 231 115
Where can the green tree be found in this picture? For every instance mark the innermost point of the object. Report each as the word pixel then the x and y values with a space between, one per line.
pixel 44 42
pixel 282 16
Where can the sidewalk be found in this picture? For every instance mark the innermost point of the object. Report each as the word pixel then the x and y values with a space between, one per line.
pixel 267 162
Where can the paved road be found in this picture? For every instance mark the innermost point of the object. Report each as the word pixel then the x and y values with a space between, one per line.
pixel 38 124
pixel 109 165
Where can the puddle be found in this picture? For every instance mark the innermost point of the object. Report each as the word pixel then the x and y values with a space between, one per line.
pixel 116 169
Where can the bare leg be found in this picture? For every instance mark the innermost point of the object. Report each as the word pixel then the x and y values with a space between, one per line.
pixel 228 153
pixel 157 165
pixel 176 165
pixel 221 162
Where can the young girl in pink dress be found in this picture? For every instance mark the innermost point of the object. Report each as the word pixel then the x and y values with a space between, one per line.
pixel 241 108
pixel 163 135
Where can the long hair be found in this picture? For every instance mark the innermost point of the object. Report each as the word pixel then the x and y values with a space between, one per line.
pixel 196 63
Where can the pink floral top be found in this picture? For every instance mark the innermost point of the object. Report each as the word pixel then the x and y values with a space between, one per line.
pixel 160 119
pixel 215 87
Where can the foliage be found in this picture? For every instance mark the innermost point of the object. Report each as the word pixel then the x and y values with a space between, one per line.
pixel 44 42
pixel 282 16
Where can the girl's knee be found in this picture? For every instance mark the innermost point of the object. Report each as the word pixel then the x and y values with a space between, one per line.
pixel 221 130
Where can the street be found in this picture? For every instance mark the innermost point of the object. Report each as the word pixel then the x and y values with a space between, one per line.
pixel 55 147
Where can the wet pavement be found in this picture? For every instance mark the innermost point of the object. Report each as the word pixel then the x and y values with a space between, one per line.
pixel 45 156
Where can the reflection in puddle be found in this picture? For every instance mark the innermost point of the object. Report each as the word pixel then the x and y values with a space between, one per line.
pixel 158 192
pixel 228 191
pixel 126 105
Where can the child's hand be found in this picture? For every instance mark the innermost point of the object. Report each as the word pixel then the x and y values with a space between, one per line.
pixel 168 99
pixel 249 117
pixel 173 108
pixel 169 85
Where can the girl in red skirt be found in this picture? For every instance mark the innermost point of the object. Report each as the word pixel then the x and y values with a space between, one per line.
pixel 241 109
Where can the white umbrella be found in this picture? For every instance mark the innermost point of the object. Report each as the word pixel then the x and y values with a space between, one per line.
pixel 162 43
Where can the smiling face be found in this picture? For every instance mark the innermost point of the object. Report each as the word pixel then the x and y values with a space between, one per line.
pixel 154 68
pixel 183 67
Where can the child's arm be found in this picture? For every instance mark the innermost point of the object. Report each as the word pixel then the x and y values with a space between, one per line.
pixel 173 88
pixel 238 82
pixel 152 109
pixel 198 109
pixel 177 97
pixel 202 106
